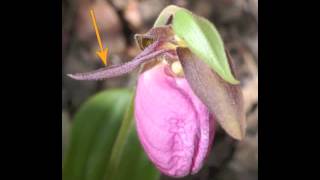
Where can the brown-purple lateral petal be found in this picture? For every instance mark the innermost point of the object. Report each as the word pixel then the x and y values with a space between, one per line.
pixel 148 54
pixel 223 99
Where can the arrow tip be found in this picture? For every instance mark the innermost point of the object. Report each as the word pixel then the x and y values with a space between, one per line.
pixel 103 54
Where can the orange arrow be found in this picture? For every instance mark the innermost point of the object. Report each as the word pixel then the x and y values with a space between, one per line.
pixel 102 53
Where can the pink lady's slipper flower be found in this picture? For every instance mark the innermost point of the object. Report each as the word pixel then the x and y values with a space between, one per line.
pixel 179 99
pixel 174 126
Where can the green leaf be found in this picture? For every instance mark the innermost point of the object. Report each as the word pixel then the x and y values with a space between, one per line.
pixel 103 126
pixel 65 131
pixel 203 39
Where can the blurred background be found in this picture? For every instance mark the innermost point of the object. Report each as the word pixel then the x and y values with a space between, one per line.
pixel 118 21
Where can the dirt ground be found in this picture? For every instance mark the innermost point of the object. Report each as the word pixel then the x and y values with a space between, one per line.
pixel 119 20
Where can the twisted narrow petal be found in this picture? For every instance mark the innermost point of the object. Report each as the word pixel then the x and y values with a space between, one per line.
pixel 221 97
pixel 148 54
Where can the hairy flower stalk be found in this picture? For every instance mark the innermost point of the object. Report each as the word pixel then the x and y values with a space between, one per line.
pixel 179 96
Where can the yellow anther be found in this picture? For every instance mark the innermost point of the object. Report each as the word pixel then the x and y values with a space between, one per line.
pixel 177 68
pixel 181 42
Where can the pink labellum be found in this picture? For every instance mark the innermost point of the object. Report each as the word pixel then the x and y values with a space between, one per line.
pixel 175 128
